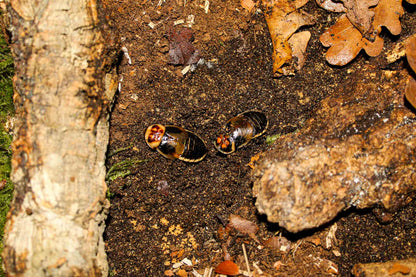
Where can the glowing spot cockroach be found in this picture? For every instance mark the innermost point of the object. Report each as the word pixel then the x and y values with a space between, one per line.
pixel 240 129
pixel 174 142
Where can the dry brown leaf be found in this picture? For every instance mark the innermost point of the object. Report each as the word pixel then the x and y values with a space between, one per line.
pixel 331 6
pixel 278 243
pixel 298 42
pixel 243 225
pixel 248 5
pixel 388 13
pixel 345 42
pixel 227 268
pixel 283 20
pixel 360 29
pixel 181 49
pixel 411 52
pixel 182 273
pixel 410 92
pixel 360 14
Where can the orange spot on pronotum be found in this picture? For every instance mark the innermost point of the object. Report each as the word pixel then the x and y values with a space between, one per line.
pixel 155 134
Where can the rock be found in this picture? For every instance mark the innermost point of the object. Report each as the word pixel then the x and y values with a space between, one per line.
pixel 357 151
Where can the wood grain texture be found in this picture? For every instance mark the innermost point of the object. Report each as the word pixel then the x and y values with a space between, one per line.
pixel 64 84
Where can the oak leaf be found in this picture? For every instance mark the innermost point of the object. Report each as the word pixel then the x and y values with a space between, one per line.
pixel 345 42
pixel 360 14
pixel 388 13
pixel 360 28
pixel 283 20
pixel 411 59
pixel 411 52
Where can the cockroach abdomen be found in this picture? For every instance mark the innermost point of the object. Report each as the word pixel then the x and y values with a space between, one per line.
pixel 258 120
pixel 195 149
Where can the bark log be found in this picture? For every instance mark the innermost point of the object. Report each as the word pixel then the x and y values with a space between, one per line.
pixel 64 84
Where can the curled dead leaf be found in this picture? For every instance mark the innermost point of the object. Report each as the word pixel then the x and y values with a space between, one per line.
pixel 360 27
pixel 360 14
pixel 298 42
pixel 227 268
pixel 278 243
pixel 243 225
pixel 331 6
pixel 283 20
pixel 181 49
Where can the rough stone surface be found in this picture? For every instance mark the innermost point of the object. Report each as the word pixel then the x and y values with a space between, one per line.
pixel 357 151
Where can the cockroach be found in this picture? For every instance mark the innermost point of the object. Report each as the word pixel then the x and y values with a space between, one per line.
pixel 240 129
pixel 174 142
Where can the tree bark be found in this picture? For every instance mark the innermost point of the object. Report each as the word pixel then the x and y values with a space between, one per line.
pixel 64 84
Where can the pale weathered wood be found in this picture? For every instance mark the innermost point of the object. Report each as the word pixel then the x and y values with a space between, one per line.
pixel 63 88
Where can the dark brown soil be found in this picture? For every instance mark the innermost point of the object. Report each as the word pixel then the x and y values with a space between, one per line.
pixel 168 210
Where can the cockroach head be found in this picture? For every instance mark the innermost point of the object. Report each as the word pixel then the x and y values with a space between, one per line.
pixel 225 144
pixel 154 134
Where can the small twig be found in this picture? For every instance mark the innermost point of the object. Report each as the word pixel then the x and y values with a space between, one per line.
pixel 296 247
pixel 259 271
pixel 126 54
pixel 208 272
pixel 196 274
pixel 206 6
pixel 246 259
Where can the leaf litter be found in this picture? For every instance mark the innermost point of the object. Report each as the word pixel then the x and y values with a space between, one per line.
pixel 359 28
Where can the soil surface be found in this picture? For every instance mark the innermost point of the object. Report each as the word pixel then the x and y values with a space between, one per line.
pixel 168 217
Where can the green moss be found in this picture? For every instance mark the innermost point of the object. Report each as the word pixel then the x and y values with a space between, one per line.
pixel 6 111
pixel 122 169
pixel 271 139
